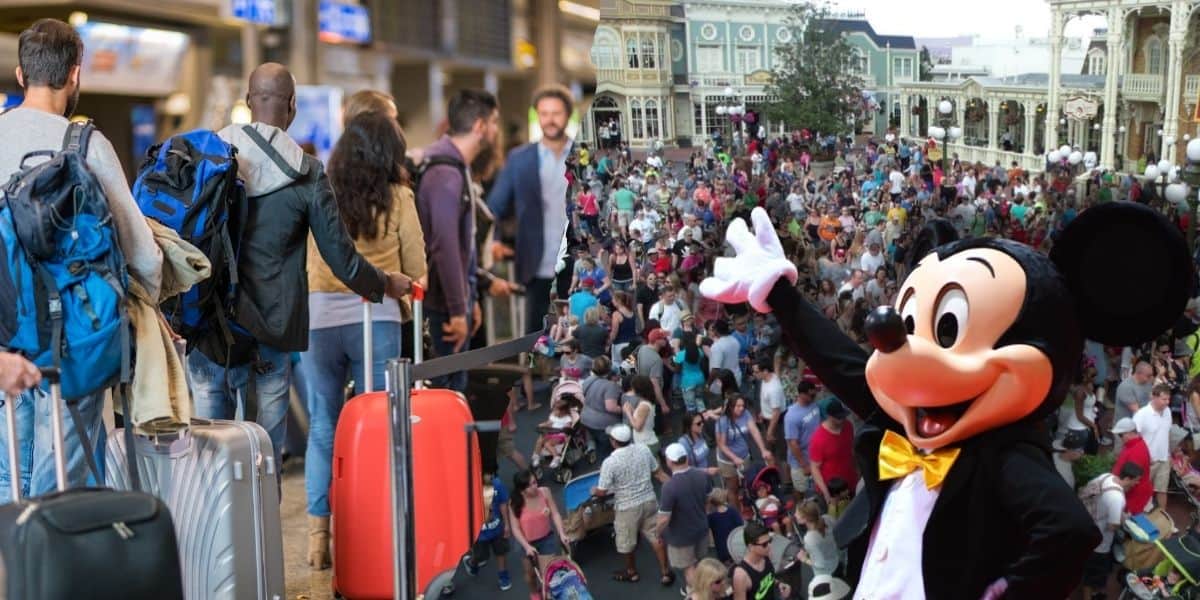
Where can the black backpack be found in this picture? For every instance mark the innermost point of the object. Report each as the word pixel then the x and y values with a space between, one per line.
pixel 483 219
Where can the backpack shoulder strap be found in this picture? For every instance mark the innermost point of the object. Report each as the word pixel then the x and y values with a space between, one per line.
pixel 77 136
pixel 447 161
pixel 270 151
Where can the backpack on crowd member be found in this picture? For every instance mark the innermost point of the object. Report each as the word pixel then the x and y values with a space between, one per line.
pixel 63 279
pixel 484 220
pixel 190 184
pixel 1091 492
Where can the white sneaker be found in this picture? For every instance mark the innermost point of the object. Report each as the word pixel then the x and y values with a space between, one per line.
pixel 556 463
pixel 537 460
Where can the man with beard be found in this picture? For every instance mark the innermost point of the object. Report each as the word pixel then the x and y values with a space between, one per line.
pixel 533 187
pixel 49 55
pixel 446 209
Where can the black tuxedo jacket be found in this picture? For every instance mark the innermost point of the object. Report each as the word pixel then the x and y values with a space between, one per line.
pixel 1003 510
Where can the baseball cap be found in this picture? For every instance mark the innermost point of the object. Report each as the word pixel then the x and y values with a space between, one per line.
pixel 675 452
pixel 1124 425
pixel 620 432
pixel 656 335
pixel 828 587
pixel 588 282
pixel 685 315
pixel 836 409
pixel 1073 440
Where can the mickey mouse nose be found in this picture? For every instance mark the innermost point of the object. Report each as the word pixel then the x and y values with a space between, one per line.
pixel 885 329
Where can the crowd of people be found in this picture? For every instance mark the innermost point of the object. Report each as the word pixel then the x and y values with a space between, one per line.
pixel 673 387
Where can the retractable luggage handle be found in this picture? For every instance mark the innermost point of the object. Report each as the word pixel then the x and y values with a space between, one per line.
pixel 418 294
pixel 52 375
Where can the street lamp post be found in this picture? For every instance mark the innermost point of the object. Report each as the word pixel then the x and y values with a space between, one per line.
pixel 945 131
pixel 734 110
pixel 1191 176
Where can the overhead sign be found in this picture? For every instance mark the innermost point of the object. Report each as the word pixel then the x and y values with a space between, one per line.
pixel 263 12
pixel 129 60
pixel 339 22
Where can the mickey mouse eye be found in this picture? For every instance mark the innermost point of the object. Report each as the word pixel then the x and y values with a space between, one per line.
pixel 908 312
pixel 950 320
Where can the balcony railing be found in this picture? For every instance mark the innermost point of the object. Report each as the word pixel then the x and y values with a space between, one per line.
pixel 1191 88
pixel 626 8
pixel 720 80
pixel 633 76
pixel 1142 86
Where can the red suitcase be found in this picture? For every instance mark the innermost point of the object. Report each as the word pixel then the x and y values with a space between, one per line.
pixel 447 513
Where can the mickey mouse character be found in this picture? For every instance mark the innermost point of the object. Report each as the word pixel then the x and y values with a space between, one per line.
pixel 961 499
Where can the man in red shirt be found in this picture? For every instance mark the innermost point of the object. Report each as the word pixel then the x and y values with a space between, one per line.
pixel 831 450
pixel 1136 452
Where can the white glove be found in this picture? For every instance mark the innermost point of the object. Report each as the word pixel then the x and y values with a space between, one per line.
pixel 751 274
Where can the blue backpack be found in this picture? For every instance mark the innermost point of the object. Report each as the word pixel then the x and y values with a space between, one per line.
pixel 62 275
pixel 190 184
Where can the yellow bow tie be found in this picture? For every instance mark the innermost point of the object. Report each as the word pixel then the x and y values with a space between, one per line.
pixel 898 457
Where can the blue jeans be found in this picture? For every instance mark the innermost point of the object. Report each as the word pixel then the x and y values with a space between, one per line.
pixel 35 449
pixel 212 399
pixel 456 381
pixel 334 354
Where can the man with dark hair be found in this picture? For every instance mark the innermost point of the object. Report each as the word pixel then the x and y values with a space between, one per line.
pixel 49 55
pixel 446 206
pixel 289 197
pixel 533 188
pixel 1108 509
pixel 754 577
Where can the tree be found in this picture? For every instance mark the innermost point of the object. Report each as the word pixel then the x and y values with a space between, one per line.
pixel 812 84
pixel 926 65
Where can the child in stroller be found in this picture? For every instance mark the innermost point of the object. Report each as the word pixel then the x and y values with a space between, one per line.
pixel 761 488
pixel 1174 577
pixel 563 440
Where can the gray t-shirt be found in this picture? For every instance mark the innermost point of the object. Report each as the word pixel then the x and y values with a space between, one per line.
pixel 595 391
pixel 649 363
pixel 27 130
pixel 799 423
pixel 1131 391
pixel 684 497
pixel 724 355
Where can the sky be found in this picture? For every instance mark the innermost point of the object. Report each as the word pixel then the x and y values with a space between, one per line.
pixel 989 19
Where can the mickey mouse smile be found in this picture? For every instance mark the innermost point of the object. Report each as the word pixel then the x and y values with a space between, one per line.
pixel 935 420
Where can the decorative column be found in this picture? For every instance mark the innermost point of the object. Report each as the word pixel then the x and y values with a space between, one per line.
pixel 1056 43
pixel 703 133
pixel 1030 125
pixel 993 124
pixel 905 110
pixel 1114 66
pixel 1175 42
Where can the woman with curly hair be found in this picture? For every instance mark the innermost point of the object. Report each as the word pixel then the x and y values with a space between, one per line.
pixel 377 208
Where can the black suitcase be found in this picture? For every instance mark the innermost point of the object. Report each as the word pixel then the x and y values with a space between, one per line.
pixel 93 543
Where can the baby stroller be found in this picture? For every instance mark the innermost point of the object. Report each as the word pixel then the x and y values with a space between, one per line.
pixel 579 445
pixel 753 475
pixel 585 512
pixel 1174 577
pixel 561 578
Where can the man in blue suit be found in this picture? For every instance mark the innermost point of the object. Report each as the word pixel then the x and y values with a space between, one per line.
pixel 533 187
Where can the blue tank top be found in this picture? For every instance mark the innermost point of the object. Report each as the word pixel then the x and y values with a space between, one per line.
pixel 627 330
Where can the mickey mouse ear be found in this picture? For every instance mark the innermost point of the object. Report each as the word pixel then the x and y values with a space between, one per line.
pixel 935 233
pixel 1128 269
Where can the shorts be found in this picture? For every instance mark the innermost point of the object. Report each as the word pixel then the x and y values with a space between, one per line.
pixel 801 483
pixel 1160 474
pixel 547 546
pixel 556 438
pixel 686 557
pixel 504 443
pixel 484 549
pixel 628 523
pixel 727 470
pixel 1097 569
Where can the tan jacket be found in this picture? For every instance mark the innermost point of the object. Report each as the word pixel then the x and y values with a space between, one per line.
pixel 401 247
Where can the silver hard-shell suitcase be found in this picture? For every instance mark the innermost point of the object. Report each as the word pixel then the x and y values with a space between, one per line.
pixel 219 480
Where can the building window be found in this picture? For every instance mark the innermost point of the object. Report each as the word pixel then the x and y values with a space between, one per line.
pixel 858 62
pixel 710 59
pixel 651 118
pixel 698 119
pixel 902 68
pixel 1095 62
pixel 650 52
pixel 631 52
pixel 635 119
pixel 1154 56
pixel 749 59
pixel 606 50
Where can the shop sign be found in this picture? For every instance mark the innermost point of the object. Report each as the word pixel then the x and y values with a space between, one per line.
pixel 339 22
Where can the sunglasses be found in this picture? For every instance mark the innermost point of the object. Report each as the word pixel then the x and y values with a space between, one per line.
pixel 762 544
